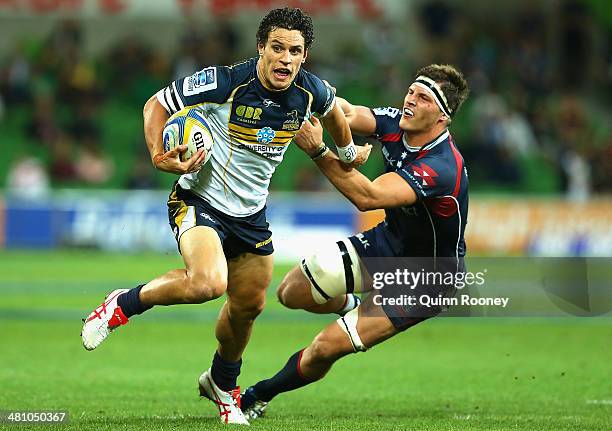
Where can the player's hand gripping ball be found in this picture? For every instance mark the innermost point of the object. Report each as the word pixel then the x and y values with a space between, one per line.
pixel 188 127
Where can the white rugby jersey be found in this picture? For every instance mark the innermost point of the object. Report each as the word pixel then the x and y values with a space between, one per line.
pixel 252 128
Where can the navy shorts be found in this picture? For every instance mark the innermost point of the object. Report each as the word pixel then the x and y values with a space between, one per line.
pixel 380 252
pixel 250 234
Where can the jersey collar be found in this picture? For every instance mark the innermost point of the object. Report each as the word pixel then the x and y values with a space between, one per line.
pixel 426 147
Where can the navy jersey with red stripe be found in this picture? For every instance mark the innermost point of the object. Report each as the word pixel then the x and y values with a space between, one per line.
pixel 435 224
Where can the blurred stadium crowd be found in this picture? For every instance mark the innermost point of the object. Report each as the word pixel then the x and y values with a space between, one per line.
pixel 538 119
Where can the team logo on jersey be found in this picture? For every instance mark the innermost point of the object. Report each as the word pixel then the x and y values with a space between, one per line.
pixel 265 135
pixel 425 173
pixel 268 103
pixel 208 217
pixel 248 114
pixel 199 82
pixel 293 123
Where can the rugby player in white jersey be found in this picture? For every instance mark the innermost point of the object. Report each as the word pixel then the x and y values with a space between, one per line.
pixel 217 209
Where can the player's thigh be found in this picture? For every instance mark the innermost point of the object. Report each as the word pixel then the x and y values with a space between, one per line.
pixel 249 275
pixel 333 270
pixel 199 236
pixel 203 255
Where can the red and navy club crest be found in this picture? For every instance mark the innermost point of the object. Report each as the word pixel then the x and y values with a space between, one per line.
pixel 425 173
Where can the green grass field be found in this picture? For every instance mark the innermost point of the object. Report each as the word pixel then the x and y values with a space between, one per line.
pixel 446 374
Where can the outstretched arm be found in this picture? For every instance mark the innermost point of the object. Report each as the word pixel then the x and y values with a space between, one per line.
pixel 360 118
pixel 387 191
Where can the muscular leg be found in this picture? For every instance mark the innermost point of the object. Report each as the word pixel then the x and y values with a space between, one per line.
pixel 203 279
pixel 295 292
pixel 249 276
pixel 331 344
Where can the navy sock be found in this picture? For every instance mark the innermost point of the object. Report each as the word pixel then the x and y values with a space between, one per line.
pixel 130 302
pixel 287 379
pixel 225 373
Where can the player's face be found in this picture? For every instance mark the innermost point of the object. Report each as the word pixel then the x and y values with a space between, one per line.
pixel 420 113
pixel 280 58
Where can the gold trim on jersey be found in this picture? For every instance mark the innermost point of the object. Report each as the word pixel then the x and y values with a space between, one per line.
pixel 231 66
pixel 248 138
pixel 253 132
pixel 310 97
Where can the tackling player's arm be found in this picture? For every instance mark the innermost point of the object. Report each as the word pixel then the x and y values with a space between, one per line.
pixel 360 118
pixel 387 191
pixel 332 117
pixel 155 117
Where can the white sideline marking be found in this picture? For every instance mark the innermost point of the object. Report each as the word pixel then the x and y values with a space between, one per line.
pixel 604 402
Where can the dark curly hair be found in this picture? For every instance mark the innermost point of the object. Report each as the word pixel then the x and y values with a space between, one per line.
pixel 289 19
pixel 451 81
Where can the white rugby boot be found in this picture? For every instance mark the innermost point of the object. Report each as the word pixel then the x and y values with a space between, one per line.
pixel 103 320
pixel 228 402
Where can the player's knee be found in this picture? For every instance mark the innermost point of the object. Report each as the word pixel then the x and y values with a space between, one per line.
pixel 284 294
pixel 248 309
pixel 202 288
pixel 292 289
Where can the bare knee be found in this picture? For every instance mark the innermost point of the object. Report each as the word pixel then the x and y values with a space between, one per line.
pixel 201 288
pixel 247 309
pixel 293 290
pixel 284 294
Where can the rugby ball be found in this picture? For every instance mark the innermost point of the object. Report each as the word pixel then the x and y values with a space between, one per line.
pixel 188 127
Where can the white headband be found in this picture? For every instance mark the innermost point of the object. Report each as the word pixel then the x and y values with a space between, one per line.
pixel 434 89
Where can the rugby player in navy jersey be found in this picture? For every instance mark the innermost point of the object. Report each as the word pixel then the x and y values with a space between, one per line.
pixel 217 209
pixel 425 198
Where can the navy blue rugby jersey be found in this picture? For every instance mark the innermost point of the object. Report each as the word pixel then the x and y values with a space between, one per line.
pixel 251 126
pixel 435 224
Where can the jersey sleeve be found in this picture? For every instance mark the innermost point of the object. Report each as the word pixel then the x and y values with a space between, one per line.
pixel 387 123
pixel 429 177
pixel 212 84
pixel 324 97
